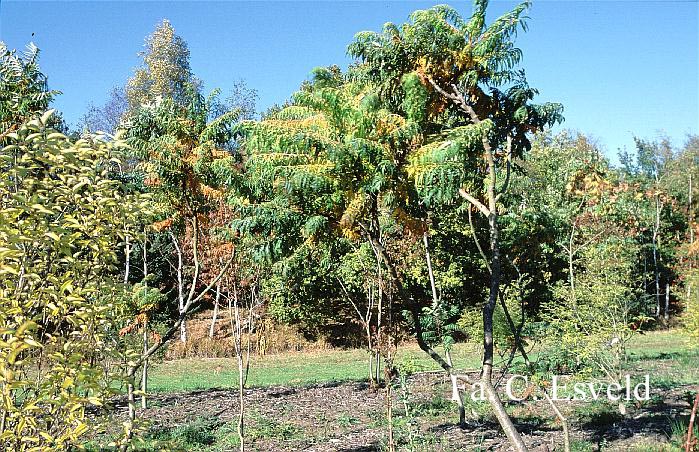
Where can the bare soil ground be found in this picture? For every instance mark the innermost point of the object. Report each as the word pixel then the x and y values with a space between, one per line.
pixel 352 417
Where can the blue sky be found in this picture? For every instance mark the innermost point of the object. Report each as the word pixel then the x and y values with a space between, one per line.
pixel 621 68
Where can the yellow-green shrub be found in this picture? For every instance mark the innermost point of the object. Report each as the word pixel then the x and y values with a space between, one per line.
pixel 61 219
pixel 690 318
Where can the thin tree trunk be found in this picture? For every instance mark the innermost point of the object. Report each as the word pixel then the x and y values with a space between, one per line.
pixel 371 355
pixel 370 345
pixel 456 393
pixel 488 343
pixel 127 252
pixel 379 313
pixel 667 303
pixel 234 315
pixel 656 232
pixel 389 408
pixel 564 422
pixel 214 317
pixel 367 324
pixel 690 429
pixel 180 286
pixel 131 401
pixel 144 376
pixel 489 309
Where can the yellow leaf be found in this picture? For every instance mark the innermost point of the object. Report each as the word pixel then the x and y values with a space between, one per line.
pixel 46 436
pixel 24 327
pixel 32 342
pixel 53 235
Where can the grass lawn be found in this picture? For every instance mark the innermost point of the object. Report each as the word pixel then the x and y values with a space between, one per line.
pixel 664 353
pixel 292 368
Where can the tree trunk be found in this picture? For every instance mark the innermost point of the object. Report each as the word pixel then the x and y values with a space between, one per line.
pixel 379 313
pixel 371 357
pixel 656 232
pixel 127 253
pixel 488 343
pixel 131 372
pixel 144 377
pixel 667 303
pixel 214 317
pixel 489 308
pixel 389 408
pixel 180 287
pixel 183 331
pixel 564 422
pixel 131 399
pixel 455 392
pixel 241 402
pixel 234 315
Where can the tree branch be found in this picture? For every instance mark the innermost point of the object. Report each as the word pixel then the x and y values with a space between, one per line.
pixel 185 311
pixel 476 203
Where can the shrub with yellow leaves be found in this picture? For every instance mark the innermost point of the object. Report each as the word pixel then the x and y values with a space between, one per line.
pixel 60 224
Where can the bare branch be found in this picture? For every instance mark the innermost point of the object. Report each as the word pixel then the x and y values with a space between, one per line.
pixel 479 205
pixel 185 311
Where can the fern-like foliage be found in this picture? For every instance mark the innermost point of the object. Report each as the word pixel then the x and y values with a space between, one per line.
pixel 328 154
pixel 24 90
pixel 458 82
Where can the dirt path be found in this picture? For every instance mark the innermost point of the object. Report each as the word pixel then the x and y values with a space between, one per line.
pixel 351 417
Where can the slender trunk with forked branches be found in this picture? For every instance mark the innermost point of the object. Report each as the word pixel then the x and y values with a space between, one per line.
pixel 242 327
pixel 193 297
pixel 237 328
pixel 365 315
pixel 490 212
